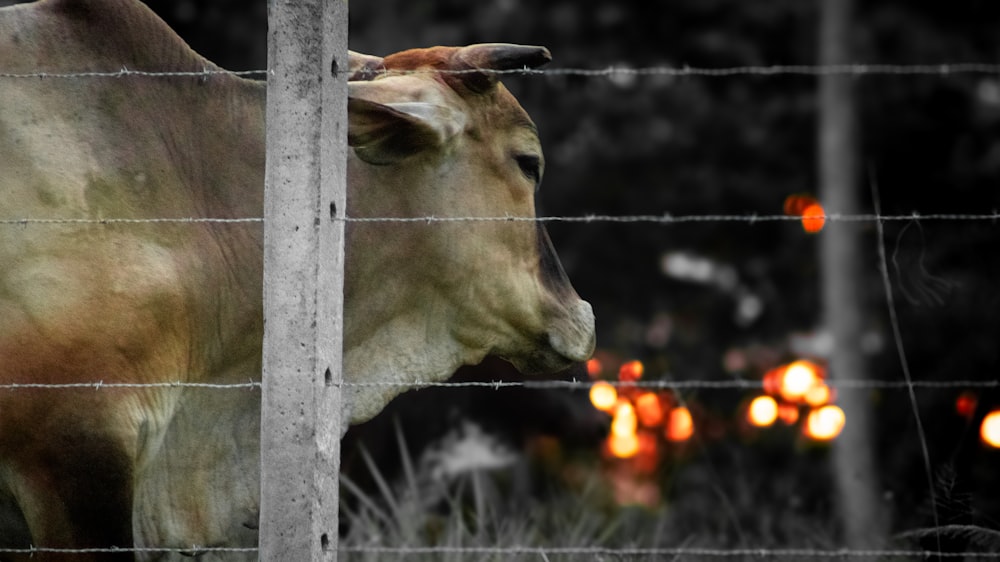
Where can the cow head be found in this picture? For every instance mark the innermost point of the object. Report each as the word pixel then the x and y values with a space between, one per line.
pixel 450 145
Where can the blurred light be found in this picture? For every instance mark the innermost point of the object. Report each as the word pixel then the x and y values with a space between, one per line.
pixel 686 267
pixel 630 371
pixel 763 411
pixel 748 308
pixel 772 380
pixel 795 204
pixel 818 343
pixel 623 446
pixel 788 413
pixel 735 360
pixel 825 423
pixel 649 409
pixel 813 218
pixel 648 457
pixel 603 396
pixel 594 367
pixel 623 80
pixel 966 404
pixel 872 342
pixel 680 425
pixel 798 378
pixel 624 421
pixel 990 430
pixel 818 395
pixel 988 92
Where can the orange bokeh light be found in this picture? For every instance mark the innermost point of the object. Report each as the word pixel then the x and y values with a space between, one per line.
pixel 603 396
pixel 788 413
pixel 798 378
pixel 647 458
pixel 680 425
pixel 813 218
pixel 594 367
pixel 623 446
pixel 649 409
pixel 826 423
pixel 630 371
pixel 966 404
pixel 772 380
pixel 795 204
pixel 624 421
pixel 818 395
pixel 990 429
pixel 763 411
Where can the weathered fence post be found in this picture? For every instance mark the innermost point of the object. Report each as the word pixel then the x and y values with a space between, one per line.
pixel 842 269
pixel 303 278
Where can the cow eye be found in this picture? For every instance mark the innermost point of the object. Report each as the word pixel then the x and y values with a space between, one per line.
pixel 531 166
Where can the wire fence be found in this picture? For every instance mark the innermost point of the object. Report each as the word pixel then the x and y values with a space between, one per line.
pixel 651 384
pixel 857 70
pixel 664 219
pixel 517 550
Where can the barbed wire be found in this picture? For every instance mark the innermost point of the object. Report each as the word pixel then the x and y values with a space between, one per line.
pixel 735 384
pixel 126 73
pixel 680 551
pixel 852 69
pixel 678 219
pixel 98 385
pixel 665 218
pixel 181 220
pixel 536 550
pixel 191 551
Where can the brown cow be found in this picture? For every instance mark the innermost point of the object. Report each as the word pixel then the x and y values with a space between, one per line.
pixel 84 301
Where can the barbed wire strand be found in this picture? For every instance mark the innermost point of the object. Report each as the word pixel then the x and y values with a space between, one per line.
pixel 752 218
pixel 539 550
pixel 681 551
pixel 735 384
pixel 126 73
pixel 192 550
pixel 853 69
pixel 98 385
pixel 196 220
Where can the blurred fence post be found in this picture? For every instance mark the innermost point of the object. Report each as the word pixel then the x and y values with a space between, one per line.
pixel 842 276
pixel 303 279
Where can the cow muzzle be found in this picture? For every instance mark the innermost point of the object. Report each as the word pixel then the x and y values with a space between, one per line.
pixel 574 338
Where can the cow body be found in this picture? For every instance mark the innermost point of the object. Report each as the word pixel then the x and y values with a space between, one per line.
pixel 157 302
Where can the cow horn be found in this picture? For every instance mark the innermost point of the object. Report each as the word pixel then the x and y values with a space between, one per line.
pixel 364 67
pixel 495 56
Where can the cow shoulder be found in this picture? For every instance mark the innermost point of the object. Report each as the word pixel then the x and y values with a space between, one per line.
pixel 110 35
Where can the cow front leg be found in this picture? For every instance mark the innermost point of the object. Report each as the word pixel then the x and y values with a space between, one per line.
pixel 75 491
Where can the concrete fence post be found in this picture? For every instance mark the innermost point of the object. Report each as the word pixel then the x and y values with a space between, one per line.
pixel 305 194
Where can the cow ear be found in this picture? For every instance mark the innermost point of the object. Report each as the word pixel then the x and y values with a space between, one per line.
pixel 385 133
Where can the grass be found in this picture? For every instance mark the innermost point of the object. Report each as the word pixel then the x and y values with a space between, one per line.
pixel 723 499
